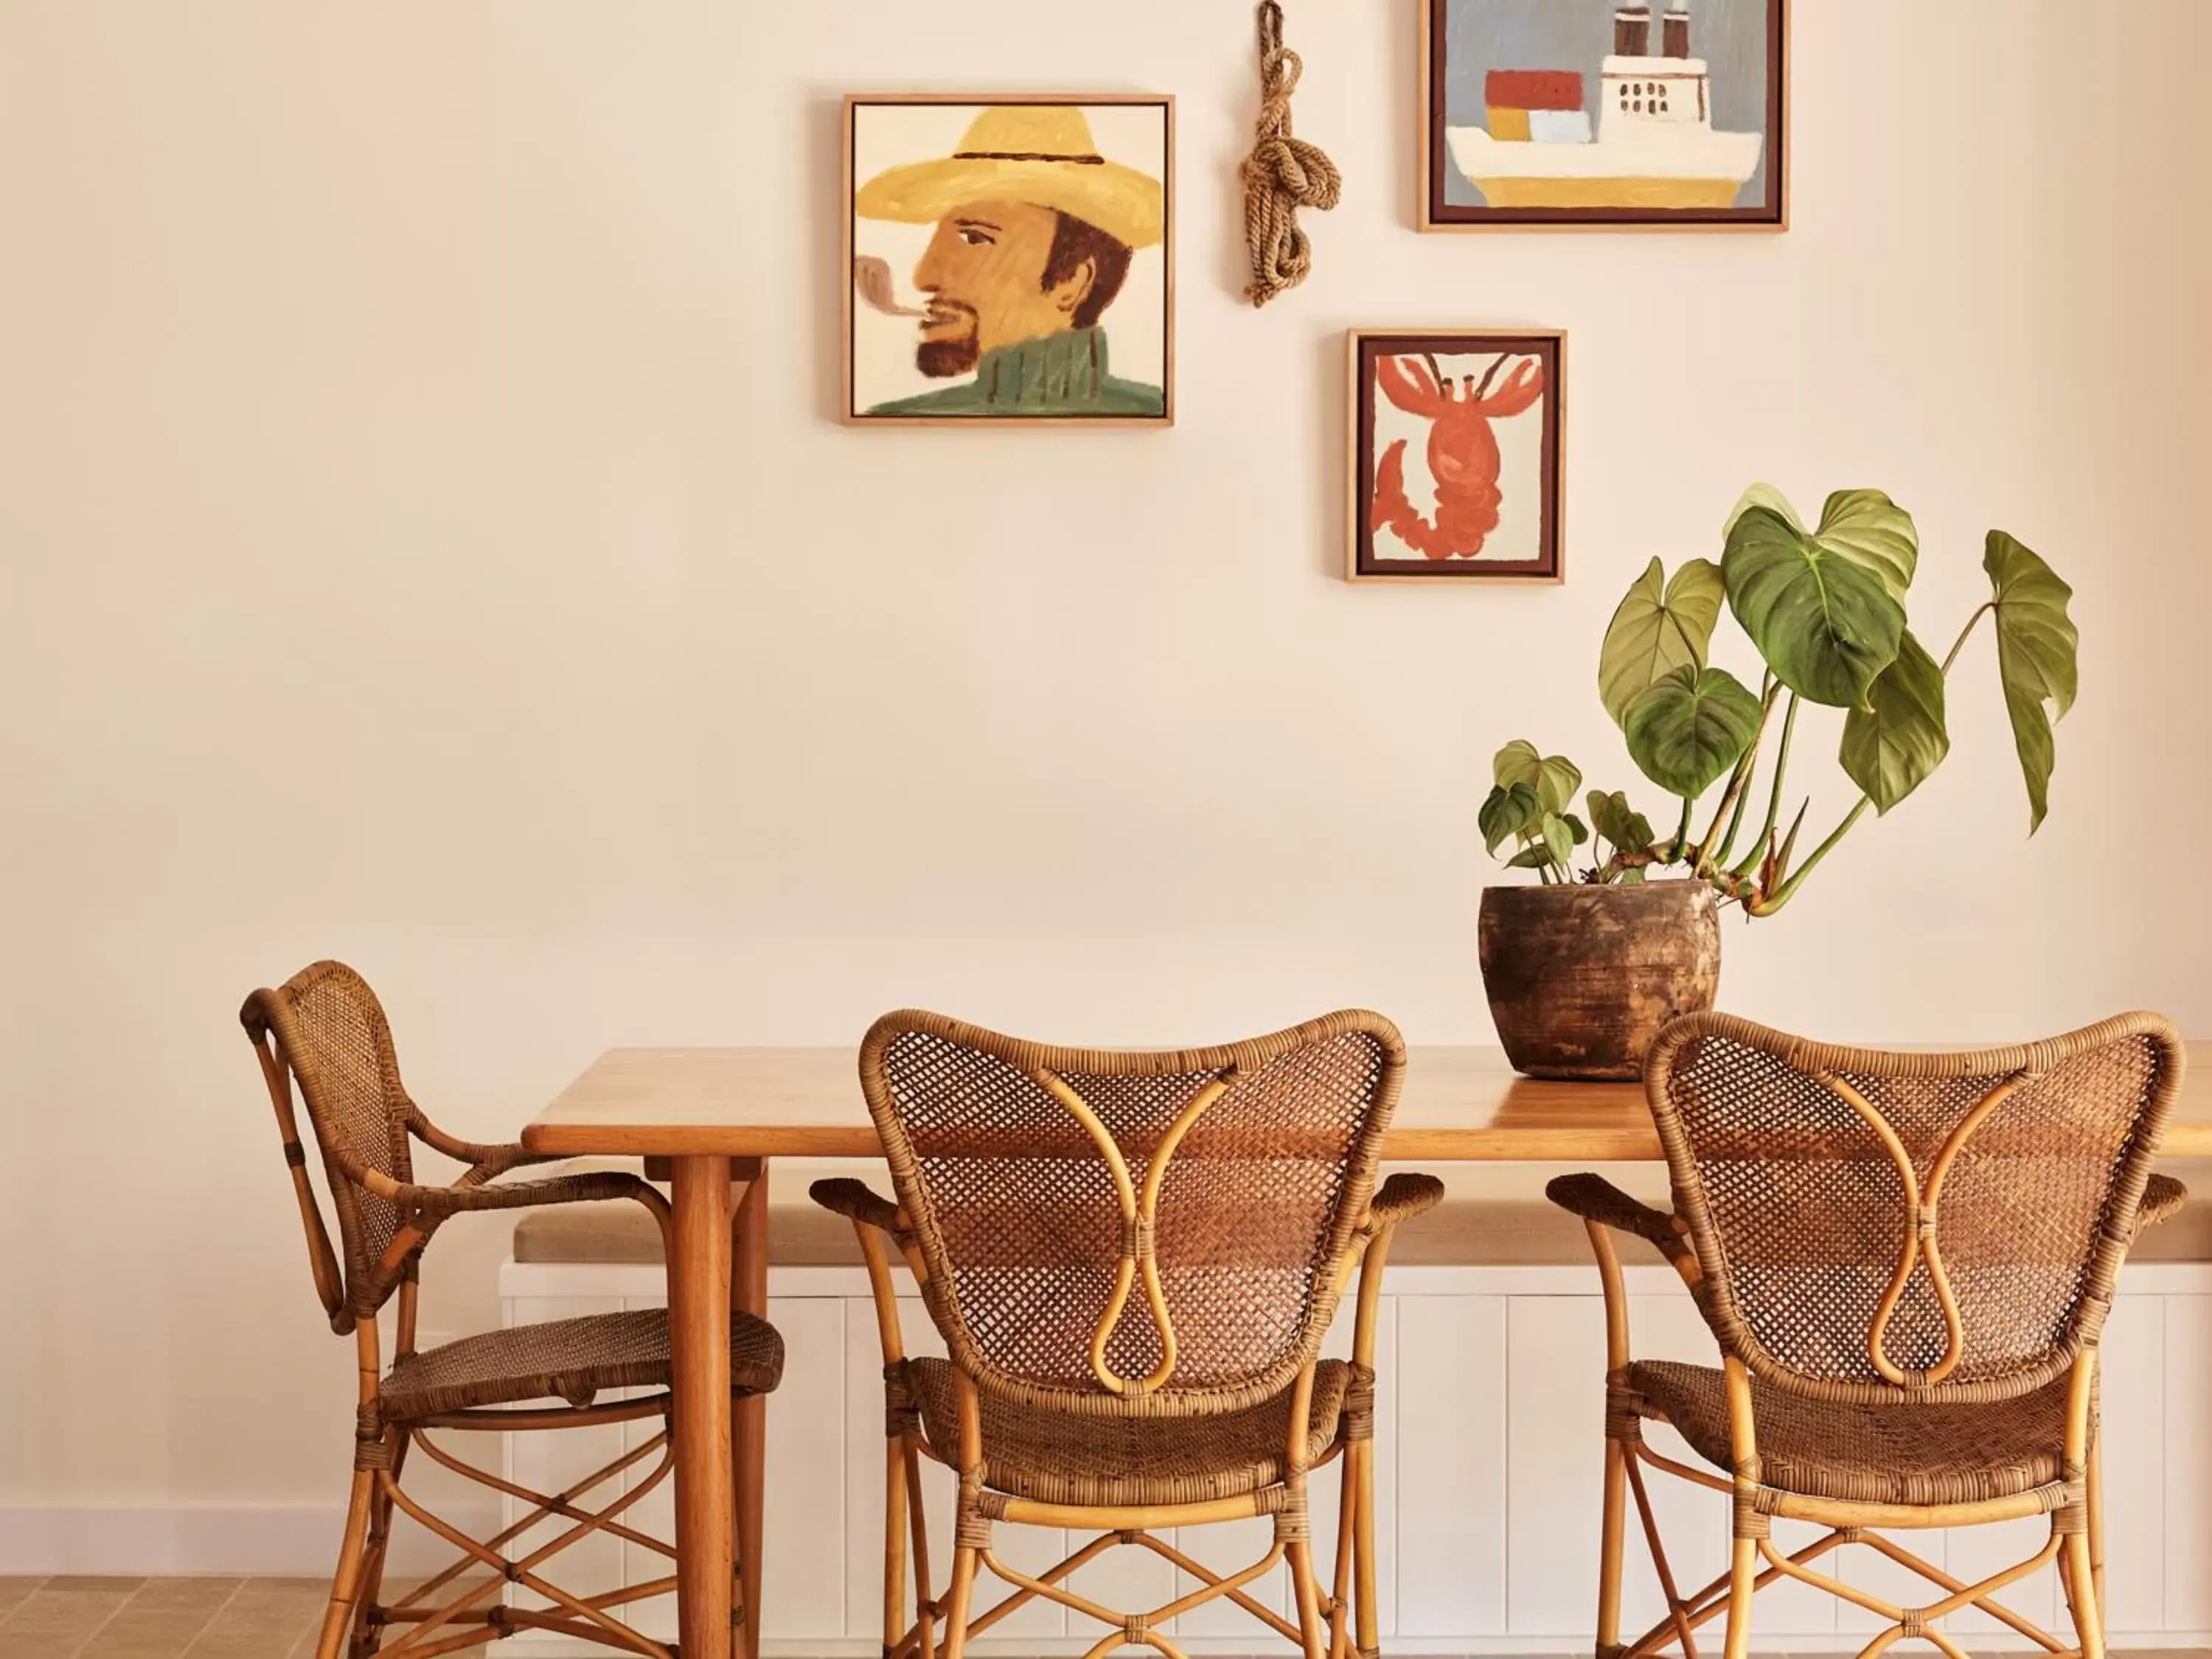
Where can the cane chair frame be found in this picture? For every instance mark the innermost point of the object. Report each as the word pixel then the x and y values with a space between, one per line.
pixel 356 1623
pixel 1338 1622
pixel 1688 1239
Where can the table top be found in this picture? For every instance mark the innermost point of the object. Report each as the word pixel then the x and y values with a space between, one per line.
pixel 1460 1105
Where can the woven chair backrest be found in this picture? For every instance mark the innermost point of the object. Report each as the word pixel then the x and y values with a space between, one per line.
pixel 1870 1223
pixel 1153 1226
pixel 330 1035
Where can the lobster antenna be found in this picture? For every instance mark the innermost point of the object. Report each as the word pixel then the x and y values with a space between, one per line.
pixel 1483 391
pixel 1435 373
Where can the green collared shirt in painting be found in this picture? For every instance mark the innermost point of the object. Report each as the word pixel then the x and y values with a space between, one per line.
pixel 1055 374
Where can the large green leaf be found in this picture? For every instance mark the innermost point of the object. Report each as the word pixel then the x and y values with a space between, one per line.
pixel 1863 525
pixel 1553 777
pixel 1819 605
pixel 1659 626
pixel 2036 645
pixel 1559 838
pixel 1892 745
pixel 1691 727
pixel 1612 817
pixel 1506 813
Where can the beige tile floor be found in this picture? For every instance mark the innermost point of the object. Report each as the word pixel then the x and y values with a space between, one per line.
pixel 223 1619
pixel 161 1618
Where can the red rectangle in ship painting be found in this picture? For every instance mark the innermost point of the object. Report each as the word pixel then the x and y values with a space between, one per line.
pixel 1532 89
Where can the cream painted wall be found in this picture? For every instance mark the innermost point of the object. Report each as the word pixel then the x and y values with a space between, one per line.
pixel 426 541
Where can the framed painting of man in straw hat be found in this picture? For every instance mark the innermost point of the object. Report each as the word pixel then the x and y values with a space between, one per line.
pixel 1009 260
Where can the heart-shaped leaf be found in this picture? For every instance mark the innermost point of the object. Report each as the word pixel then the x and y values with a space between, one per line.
pixel 2036 658
pixel 1612 817
pixel 1506 813
pixel 1863 525
pixel 1559 839
pixel 1892 745
pixel 1553 777
pixel 1690 728
pixel 1819 605
pixel 1658 626
pixel 1530 858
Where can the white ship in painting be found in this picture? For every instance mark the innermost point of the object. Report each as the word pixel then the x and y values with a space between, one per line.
pixel 1654 146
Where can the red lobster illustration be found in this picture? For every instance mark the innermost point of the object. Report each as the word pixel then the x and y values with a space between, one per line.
pixel 1462 450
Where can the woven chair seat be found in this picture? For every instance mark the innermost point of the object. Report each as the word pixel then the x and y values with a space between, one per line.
pixel 570 1359
pixel 1929 1453
pixel 1055 1457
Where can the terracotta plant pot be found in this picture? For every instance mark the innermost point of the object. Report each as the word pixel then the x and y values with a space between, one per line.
pixel 1581 978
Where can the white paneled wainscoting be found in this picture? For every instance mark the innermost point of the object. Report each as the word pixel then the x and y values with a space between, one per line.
pixel 1488 1423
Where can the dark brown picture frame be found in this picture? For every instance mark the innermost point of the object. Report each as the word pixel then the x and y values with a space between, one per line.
pixel 1364 347
pixel 1437 214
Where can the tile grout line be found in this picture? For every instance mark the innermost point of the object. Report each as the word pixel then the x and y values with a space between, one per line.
pixel 222 1607
pixel 38 1586
pixel 91 1635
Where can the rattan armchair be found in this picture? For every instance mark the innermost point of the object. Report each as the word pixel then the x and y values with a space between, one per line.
pixel 1907 1260
pixel 325 1028
pixel 1133 1259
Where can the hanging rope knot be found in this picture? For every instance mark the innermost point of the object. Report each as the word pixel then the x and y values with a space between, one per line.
pixel 1282 174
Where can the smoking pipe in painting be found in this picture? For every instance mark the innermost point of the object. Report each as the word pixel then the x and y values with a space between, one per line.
pixel 1462 450
pixel 872 279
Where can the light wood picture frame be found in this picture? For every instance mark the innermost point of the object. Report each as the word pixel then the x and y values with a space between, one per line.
pixel 995 247
pixel 1457 443
pixel 1604 115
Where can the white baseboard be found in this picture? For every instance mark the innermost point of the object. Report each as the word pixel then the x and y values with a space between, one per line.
pixel 275 1541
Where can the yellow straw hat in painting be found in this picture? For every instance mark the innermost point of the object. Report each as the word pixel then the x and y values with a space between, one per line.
pixel 1038 153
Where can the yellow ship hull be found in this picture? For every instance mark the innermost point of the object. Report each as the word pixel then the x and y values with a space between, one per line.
pixel 1609 192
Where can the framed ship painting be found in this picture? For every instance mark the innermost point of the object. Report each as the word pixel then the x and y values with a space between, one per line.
pixel 1009 260
pixel 1456 455
pixel 1605 114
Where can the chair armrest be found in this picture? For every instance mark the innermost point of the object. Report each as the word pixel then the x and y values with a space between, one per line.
pixel 857 1202
pixel 2161 1198
pixel 436 1204
pixel 1403 1197
pixel 486 1158
pixel 1594 1198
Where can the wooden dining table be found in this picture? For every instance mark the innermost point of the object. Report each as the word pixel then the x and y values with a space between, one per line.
pixel 711 1122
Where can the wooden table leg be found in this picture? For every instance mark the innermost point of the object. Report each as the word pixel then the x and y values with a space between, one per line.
pixel 749 1452
pixel 699 1349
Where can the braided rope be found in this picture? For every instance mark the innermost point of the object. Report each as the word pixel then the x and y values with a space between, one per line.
pixel 1282 174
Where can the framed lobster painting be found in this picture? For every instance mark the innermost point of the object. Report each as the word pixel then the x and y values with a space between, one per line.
pixel 1457 441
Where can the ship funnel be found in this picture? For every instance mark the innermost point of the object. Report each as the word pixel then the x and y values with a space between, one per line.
pixel 1632 32
pixel 1676 33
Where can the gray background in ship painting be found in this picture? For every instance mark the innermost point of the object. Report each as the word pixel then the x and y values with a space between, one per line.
pixel 1481 36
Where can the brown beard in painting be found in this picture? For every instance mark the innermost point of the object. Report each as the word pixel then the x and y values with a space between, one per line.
pixel 942 359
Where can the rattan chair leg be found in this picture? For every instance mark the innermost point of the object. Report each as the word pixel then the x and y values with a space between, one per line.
pixel 1347 1530
pixel 918 1527
pixel 2094 1498
pixel 1613 1528
pixel 345 1583
pixel 1313 1633
pixel 1743 1574
pixel 2080 1579
pixel 1369 1605
pixel 369 1611
pixel 956 1609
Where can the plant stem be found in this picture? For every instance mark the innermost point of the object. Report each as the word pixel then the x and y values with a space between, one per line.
pixel 1681 833
pixel 1732 797
pixel 1773 902
pixel 1774 795
pixel 1972 621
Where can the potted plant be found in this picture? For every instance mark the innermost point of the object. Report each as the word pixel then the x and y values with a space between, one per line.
pixel 1620 932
